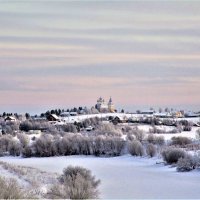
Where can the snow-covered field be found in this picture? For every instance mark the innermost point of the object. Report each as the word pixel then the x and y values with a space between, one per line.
pixel 190 134
pixel 125 176
pixel 79 118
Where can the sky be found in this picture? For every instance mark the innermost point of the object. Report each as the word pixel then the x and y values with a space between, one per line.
pixel 61 54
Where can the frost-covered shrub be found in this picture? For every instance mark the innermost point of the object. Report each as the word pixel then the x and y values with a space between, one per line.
pixel 4 143
pixel 179 127
pixel 74 144
pixel 26 126
pixel 33 125
pixel 24 139
pixel 187 128
pixel 64 146
pixel 71 128
pixel 171 155
pixel 108 130
pixel 9 189
pixel 14 148
pixel 151 150
pixel 89 145
pixel 109 146
pixel 43 147
pixel 126 129
pixel 175 130
pixel 181 140
pixel 154 129
pixel 198 134
pixel 168 122
pixel 186 125
pixel 159 140
pixel 75 183
pixel 183 122
pixel 186 164
pixel 9 127
pixel 130 136
pixel 86 146
pixel 27 152
pixel 138 134
pixel 135 148
pixel 151 138
pixel 91 122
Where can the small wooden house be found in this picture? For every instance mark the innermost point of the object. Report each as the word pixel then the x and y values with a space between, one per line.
pixel 53 117
pixel 10 119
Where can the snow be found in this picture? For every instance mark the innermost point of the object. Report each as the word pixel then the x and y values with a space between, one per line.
pixel 34 135
pixel 6 174
pixel 190 134
pixel 125 176
pixel 33 180
pixel 72 119
pixel 79 118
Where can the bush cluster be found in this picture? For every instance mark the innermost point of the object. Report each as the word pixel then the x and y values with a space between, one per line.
pixel 75 144
pixel 181 140
pixel 151 150
pixel 198 134
pixel 94 122
pixel 75 183
pixel 8 145
pixel 9 127
pixel 154 129
pixel 171 155
pixel 186 164
pixel 10 189
pixel 107 130
pixel 70 128
pixel 159 140
pixel 136 134
pixel 135 148
pixel 33 125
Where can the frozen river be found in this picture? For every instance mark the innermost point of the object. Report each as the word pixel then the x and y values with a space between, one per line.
pixel 125 176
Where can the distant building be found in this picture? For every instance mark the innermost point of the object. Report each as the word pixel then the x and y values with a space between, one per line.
pixel 177 114
pixel 10 119
pixel 147 112
pixel 111 106
pixel 191 114
pixel 102 106
pixel 53 117
pixel 68 114
pixel 163 115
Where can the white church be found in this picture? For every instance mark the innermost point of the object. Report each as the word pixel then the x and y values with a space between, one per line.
pixel 102 106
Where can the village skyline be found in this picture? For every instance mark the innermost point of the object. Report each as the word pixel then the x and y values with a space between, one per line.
pixel 101 105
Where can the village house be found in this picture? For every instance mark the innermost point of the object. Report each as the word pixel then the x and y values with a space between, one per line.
pixel 10 119
pixel 68 114
pixel 163 115
pixel 53 117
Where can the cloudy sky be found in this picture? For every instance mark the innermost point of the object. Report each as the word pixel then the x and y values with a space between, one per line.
pixel 68 53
